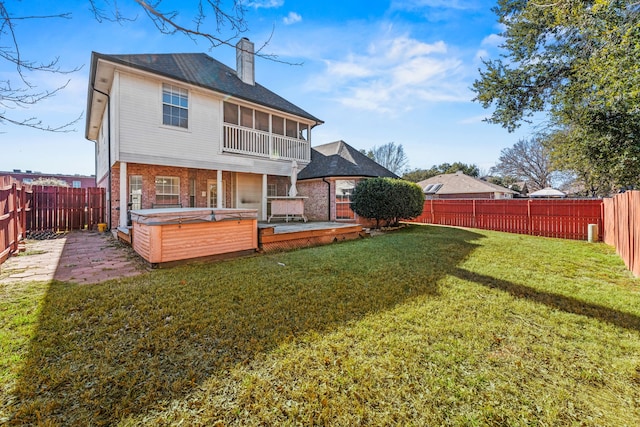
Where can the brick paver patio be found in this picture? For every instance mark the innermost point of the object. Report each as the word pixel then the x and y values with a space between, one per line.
pixel 79 257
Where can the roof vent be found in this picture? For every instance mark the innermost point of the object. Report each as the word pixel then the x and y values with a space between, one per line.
pixel 245 61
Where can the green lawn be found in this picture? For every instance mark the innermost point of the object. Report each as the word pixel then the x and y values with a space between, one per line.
pixel 422 326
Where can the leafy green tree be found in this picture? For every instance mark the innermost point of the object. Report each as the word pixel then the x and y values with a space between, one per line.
pixel 578 62
pixel 588 159
pixel 387 199
pixel 417 175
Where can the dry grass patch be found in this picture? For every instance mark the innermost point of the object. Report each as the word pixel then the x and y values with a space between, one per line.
pixel 424 326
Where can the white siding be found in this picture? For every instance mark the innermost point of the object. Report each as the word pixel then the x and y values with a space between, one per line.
pixel 142 131
pixel 142 138
pixel 102 156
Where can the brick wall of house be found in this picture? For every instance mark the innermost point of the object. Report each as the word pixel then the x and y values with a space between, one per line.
pixel 316 205
pixel 282 184
pixel 150 172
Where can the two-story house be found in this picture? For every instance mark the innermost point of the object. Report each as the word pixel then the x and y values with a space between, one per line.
pixel 186 130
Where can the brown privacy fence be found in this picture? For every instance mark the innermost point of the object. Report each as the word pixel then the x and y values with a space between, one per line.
pixel 562 218
pixel 622 227
pixel 25 208
pixel 14 202
pixel 65 209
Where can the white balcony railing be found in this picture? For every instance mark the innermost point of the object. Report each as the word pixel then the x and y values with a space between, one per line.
pixel 238 139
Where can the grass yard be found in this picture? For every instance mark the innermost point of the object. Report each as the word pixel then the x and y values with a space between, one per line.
pixel 423 326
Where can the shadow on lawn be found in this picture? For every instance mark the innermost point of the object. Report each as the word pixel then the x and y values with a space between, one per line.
pixel 560 302
pixel 120 349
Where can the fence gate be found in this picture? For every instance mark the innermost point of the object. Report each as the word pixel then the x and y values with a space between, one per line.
pixel 65 209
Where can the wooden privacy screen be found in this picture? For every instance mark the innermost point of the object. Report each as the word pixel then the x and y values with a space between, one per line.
pixel 564 218
pixel 622 227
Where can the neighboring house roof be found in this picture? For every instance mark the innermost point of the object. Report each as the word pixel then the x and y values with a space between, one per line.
pixel 201 70
pixel 340 159
pixel 522 185
pixel 547 192
pixel 459 183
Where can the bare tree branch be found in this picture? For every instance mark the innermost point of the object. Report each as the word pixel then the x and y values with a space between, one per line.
pixel 26 94
pixel 215 21
pixel 529 161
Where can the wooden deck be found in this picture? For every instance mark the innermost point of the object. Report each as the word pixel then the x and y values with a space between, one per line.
pixel 286 236
pixel 282 236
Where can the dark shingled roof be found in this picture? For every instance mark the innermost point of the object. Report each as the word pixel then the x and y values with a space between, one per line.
pixel 202 70
pixel 340 159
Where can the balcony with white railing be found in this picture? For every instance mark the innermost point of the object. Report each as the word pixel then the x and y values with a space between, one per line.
pixel 243 140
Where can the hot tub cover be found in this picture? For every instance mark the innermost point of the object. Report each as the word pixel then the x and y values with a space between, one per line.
pixel 189 215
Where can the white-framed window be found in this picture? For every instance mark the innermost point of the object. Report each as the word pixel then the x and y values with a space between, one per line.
pixel 76 184
pixel 168 190
pixel 344 190
pixel 175 106
pixel 135 191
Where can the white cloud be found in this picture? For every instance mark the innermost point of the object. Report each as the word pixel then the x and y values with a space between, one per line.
pixel 492 40
pixel 394 74
pixel 473 120
pixel 481 54
pixel 292 18
pixel 265 4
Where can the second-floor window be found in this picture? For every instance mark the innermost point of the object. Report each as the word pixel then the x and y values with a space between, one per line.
pixel 175 106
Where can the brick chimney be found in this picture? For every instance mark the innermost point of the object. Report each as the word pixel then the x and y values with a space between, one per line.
pixel 245 61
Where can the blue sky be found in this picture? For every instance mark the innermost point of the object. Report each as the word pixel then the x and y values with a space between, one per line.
pixel 374 71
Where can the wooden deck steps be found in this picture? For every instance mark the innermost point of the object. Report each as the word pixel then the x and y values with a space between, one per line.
pixel 282 237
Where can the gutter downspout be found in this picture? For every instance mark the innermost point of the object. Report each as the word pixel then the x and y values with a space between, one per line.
pixel 328 198
pixel 108 154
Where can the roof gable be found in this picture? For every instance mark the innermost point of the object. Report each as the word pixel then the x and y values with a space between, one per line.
pixel 202 70
pixel 459 183
pixel 337 159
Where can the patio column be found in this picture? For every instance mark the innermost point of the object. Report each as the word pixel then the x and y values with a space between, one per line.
pixel 124 197
pixel 219 190
pixel 264 198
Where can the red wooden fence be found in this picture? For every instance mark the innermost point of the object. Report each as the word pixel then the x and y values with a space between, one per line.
pixel 25 208
pixel 622 227
pixel 563 218
pixel 65 209
pixel 14 205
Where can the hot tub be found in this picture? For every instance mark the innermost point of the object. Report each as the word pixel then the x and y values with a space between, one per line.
pixel 174 234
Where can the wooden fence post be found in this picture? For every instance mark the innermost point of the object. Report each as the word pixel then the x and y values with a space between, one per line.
pixel 529 222
pixel 14 213
pixel 473 216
